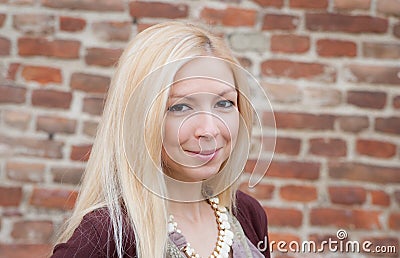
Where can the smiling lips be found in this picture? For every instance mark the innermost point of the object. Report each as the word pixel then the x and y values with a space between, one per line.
pixel 204 154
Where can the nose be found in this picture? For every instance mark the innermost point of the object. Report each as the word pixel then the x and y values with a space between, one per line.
pixel 206 126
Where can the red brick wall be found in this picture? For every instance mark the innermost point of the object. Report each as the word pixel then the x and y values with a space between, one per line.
pixel 331 69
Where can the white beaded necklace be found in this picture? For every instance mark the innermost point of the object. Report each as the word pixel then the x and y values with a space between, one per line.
pixel 225 235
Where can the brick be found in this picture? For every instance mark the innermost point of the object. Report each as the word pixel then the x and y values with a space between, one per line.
pixel 349 195
pixel 284 217
pixel 397 196
pixel 67 175
pixel 345 23
pixel 309 4
pixel 140 9
pixel 260 191
pixel 321 97
pixel 34 24
pixel 37 231
pixel 230 16
pixel 375 148
pixel 245 62
pixel 373 74
pixel 286 237
pixel 59 48
pixel 41 74
pixel 396 30
pixel 81 152
pixel 394 221
pixel 248 41
pixel 102 56
pixel 16 119
pixel 51 98
pixel 12 94
pixel 142 26
pixel 90 128
pixel 90 82
pixel 353 124
pixel 352 5
pixel 387 242
pixel 380 198
pixel 72 24
pixel 93 105
pixel 298 193
pixel 319 239
pixel 33 147
pixel 270 3
pixel 287 145
pixel 336 48
pixel 2 19
pixel 396 102
pixel 23 2
pixel 90 5
pixel 25 171
pixel 388 125
pixel 381 50
pixel 282 93
pixel 290 43
pixel 53 198
pixel 54 124
pixel 25 250
pixel 367 99
pixel 355 218
pixel 391 7
pixel 304 121
pixel 292 169
pixel 299 70
pixel 112 30
pixel 12 71
pixel 5 46
pixel 10 196
pixel 280 22
pixel 365 173
pixel 328 147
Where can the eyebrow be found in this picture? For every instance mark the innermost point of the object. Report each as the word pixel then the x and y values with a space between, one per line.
pixel 189 97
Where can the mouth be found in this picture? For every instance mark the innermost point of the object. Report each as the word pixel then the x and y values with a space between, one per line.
pixel 204 154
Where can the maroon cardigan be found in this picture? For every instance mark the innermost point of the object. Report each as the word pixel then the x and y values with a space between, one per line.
pixel 92 239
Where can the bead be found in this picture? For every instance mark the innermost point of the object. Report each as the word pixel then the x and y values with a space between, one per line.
pixel 222 209
pixel 171 228
pixel 225 235
pixel 229 233
pixel 223 216
pixel 226 225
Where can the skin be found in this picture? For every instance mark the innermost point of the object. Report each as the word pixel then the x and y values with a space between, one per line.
pixel 200 130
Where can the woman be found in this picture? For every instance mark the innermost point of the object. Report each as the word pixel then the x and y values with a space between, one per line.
pixel 161 177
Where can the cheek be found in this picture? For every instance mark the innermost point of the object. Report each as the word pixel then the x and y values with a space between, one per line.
pixel 231 127
pixel 175 132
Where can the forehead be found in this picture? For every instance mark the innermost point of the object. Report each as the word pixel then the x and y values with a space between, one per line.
pixel 204 74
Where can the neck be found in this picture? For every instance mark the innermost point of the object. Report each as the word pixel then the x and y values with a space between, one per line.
pixel 183 191
pixel 191 211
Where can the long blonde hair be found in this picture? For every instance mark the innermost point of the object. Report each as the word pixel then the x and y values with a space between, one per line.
pixel 110 180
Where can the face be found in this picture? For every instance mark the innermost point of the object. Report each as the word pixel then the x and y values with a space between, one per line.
pixel 201 122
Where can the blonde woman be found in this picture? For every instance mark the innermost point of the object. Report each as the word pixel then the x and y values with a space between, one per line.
pixel 161 178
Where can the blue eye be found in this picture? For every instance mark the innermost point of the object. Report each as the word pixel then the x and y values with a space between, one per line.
pixel 225 104
pixel 179 108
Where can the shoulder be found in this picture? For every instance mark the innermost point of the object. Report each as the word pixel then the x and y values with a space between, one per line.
pixel 94 238
pixel 252 217
pixel 249 208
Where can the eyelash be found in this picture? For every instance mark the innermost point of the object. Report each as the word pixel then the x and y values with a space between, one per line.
pixel 173 108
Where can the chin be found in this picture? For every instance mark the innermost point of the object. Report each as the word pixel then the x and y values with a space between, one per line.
pixel 201 173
